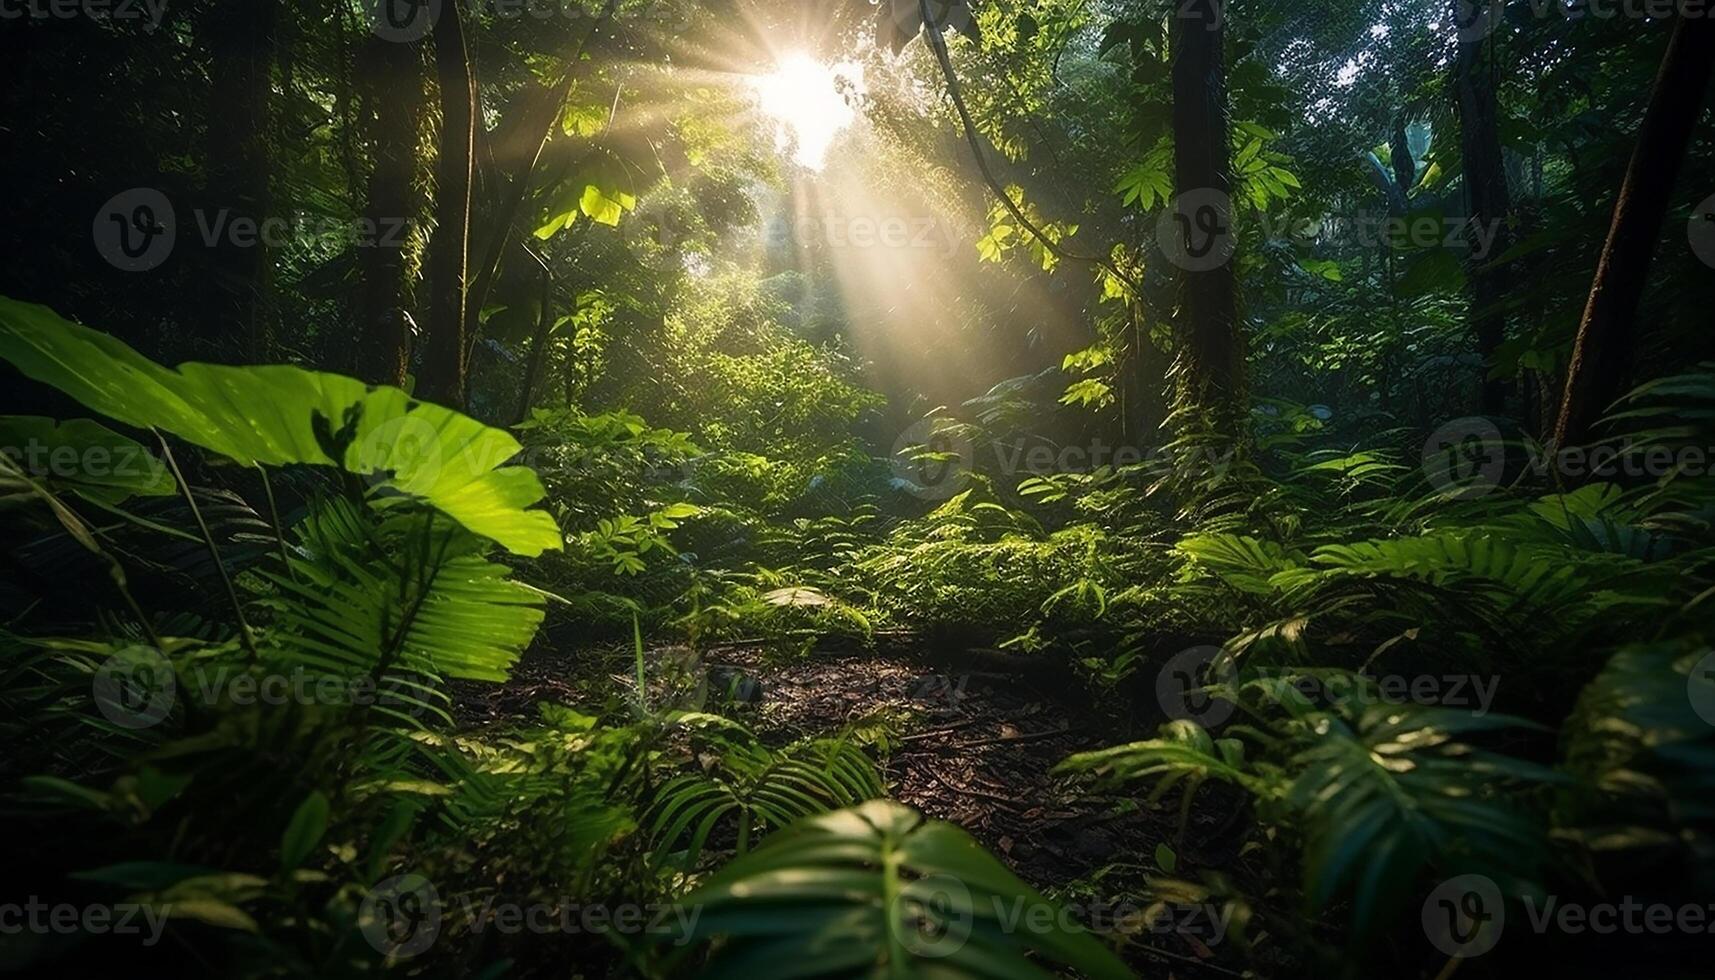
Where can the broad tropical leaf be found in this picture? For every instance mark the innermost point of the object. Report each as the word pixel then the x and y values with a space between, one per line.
pixel 278 414
pixel 878 890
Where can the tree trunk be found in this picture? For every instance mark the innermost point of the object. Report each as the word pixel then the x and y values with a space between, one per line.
pixel 517 152
pixel 444 355
pixel 395 90
pixel 240 35
pixel 1487 202
pixel 1404 167
pixel 1213 347
pixel 1602 353
pixel 538 347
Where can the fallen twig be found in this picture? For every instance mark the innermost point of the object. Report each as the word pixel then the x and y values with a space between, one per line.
pixel 1022 737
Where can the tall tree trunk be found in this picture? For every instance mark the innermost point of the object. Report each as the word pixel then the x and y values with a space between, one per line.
pixel 1399 148
pixel 240 35
pixel 517 151
pixel 1486 198
pixel 394 82
pixel 444 377
pixel 1602 353
pixel 1214 348
pixel 538 347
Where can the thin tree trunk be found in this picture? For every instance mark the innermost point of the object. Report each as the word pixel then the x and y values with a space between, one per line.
pixel 518 151
pixel 1404 167
pixel 444 377
pixel 1602 353
pixel 240 35
pixel 1214 348
pixel 395 88
pixel 538 347
pixel 1487 202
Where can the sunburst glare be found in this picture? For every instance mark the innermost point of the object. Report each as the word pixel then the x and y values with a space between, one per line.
pixel 811 102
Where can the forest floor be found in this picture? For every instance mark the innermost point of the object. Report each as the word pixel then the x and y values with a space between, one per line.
pixel 976 748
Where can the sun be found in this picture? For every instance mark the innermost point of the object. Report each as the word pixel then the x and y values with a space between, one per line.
pixel 805 97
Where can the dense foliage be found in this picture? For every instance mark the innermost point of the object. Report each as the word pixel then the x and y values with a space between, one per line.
pixel 570 345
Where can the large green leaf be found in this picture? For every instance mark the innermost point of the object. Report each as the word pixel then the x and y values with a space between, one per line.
pixel 878 890
pixel 85 457
pixel 279 414
pixel 347 612
pixel 1398 792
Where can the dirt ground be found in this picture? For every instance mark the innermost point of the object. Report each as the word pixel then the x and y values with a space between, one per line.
pixel 975 748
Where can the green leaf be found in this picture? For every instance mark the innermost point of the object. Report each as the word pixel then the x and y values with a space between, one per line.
pixel 277 415
pixel 1165 858
pixel 304 831
pixel 143 875
pixel 606 206
pixel 877 890
pixel 211 912
pixel 346 606
pixel 84 457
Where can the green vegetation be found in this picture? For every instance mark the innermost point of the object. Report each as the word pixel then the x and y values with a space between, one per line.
pixel 945 489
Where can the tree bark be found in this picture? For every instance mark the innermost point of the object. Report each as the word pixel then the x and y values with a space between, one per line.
pixel 538 347
pixel 240 35
pixel 395 90
pixel 1602 352
pixel 444 378
pixel 1404 167
pixel 1214 347
pixel 1487 202
pixel 517 152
